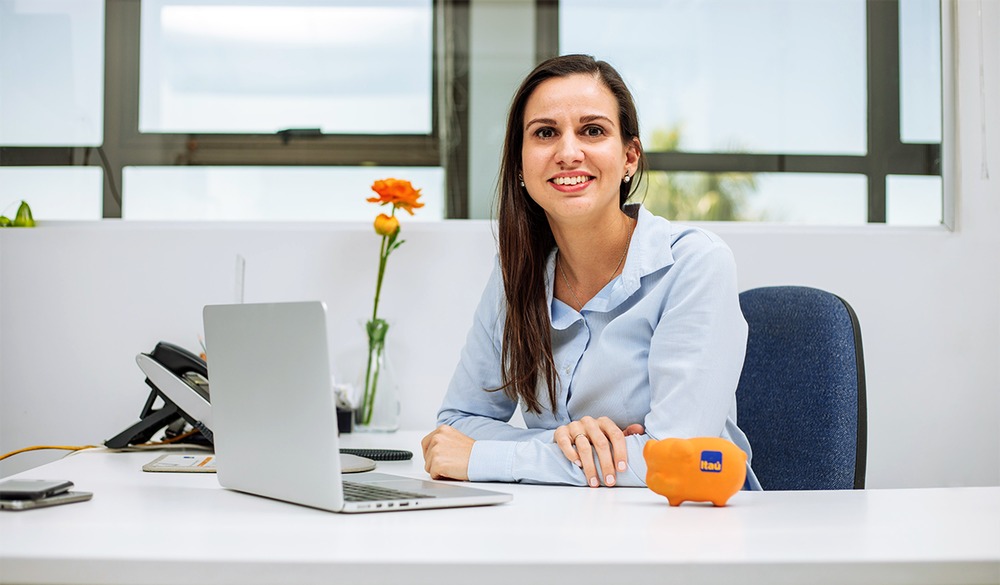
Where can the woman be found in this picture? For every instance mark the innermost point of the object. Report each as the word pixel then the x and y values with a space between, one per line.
pixel 609 326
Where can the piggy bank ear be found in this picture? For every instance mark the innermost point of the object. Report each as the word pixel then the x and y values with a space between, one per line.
pixel 654 447
pixel 655 453
pixel 672 445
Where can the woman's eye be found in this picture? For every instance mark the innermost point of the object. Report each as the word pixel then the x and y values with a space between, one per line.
pixel 593 131
pixel 545 133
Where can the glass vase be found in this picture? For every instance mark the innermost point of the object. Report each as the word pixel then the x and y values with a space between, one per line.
pixel 378 410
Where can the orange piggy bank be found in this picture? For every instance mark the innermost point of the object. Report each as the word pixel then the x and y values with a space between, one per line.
pixel 705 469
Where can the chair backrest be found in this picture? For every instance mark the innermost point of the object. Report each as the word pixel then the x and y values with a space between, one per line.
pixel 801 397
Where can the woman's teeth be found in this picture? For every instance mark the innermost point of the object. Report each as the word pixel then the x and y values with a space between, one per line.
pixel 570 180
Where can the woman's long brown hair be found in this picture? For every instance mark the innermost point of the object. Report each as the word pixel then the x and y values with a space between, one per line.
pixel 525 239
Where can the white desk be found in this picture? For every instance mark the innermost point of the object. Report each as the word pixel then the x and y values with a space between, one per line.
pixel 172 528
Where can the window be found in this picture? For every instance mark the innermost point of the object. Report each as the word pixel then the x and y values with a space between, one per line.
pixel 826 111
pixel 337 67
pixel 207 101
pixel 63 193
pixel 51 72
pixel 51 95
pixel 735 76
pixel 811 112
pixel 267 193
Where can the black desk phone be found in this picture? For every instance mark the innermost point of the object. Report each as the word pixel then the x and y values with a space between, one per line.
pixel 180 379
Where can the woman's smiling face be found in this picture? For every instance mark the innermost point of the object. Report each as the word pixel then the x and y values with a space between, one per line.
pixel 573 159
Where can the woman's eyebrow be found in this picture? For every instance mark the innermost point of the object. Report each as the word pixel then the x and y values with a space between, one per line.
pixel 583 120
pixel 548 121
pixel 593 117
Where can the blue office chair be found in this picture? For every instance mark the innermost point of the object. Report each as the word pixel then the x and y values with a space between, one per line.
pixel 801 397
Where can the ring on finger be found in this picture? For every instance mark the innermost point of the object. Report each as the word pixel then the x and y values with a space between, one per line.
pixel 578 435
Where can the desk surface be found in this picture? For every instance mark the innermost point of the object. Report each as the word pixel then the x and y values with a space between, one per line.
pixel 160 528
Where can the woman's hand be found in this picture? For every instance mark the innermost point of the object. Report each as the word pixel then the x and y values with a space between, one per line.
pixel 446 453
pixel 581 438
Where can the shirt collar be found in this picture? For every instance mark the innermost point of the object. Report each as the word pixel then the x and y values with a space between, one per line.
pixel 650 248
pixel 648 252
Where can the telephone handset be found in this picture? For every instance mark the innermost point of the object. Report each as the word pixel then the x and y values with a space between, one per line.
pixel 178 378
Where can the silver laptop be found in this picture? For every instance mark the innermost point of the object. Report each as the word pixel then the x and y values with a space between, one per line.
pixel 275 421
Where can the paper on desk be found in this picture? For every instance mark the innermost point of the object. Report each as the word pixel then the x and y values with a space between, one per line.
pixel 206 464
pixel 182 463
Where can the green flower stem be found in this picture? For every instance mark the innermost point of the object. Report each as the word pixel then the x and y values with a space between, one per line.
pixel 376 329
pixel 388 245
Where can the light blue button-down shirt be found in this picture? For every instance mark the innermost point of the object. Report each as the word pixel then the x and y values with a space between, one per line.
pixel 661 345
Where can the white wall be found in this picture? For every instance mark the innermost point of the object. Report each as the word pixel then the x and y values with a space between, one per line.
pixel 78 301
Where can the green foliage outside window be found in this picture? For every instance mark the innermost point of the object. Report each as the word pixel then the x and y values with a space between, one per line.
pixel 690 196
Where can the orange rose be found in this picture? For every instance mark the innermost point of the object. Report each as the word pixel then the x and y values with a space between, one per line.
pixel 397 192
pixel 386 225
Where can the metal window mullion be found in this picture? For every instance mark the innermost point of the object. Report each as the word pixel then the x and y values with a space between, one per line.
pixel 325 150
pixel 754 163
pixel 54 156
pixel 882 22
pixel 119 16
pixel 453 87
pixel 546 29
pixel 915 159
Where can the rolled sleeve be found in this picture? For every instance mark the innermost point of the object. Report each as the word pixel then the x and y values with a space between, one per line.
pixel 492 461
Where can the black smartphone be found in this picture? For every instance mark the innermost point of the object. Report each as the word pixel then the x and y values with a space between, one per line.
pixel 55 500
pixel 32 489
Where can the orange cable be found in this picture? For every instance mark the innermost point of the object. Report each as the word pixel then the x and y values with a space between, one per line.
pixel 40 447
pixel 82 447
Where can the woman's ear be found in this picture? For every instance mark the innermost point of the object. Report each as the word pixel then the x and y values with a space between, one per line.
pixel 632 152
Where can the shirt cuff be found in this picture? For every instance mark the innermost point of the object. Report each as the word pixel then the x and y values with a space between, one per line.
pixel 492 461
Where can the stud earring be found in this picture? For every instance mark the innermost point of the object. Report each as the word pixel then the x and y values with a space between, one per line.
pixel 521 179
pixel 627 179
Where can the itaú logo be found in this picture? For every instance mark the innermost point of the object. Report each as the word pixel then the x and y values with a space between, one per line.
pixel 711 461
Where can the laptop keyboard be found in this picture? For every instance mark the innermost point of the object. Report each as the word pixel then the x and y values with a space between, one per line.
pixel 363 492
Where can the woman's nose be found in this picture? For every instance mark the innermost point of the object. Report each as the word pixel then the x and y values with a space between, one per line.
pixel 568 150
